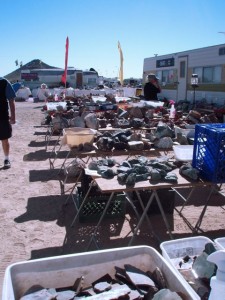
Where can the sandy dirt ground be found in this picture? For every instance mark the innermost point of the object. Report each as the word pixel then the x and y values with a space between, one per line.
pixel 35 222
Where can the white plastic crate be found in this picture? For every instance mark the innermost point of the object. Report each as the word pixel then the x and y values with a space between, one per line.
pixel 175 250
pixel 220 243
pixel 62 271
pixel 183 152
pixel 181 247
pixel 76 135
pixel 51 106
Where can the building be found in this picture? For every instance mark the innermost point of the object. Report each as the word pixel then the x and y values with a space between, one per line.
pixel 53 78
pixel 90 79
pixel 175 72
pixel 34 73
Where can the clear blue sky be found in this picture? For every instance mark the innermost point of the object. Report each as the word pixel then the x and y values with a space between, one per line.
pixel 37 29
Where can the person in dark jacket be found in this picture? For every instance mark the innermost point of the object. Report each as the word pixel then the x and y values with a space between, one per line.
pixel 7 103
pixel 152 88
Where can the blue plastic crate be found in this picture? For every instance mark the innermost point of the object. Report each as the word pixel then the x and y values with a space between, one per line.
pixel 209 152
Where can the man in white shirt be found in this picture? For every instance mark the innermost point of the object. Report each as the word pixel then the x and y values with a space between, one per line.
pixel 43 92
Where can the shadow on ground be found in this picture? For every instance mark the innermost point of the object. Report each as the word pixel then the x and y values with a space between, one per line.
pixel 45 175
pixel 41 143
pixel 112 233
pixel 41 155
pixel 199 196
pixel 40 133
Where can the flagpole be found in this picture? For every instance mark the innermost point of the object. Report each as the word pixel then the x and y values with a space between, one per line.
pixel 64 76
pixel 121 64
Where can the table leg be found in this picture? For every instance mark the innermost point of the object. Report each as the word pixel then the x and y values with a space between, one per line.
pixel 162 213
pixel 130 201
pixel 63 164
pixel 153 194
pixel 147 218
pixel 186 200
pixel 199 222
pixel 142 218
pixel 52 160
pixel 73 188
pixel 82 204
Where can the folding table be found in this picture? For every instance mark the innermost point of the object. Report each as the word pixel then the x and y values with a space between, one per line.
pixel 112 186
pixel 85 156
pixel 120 154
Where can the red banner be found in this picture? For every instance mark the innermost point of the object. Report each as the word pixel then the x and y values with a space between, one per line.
pixel 66 62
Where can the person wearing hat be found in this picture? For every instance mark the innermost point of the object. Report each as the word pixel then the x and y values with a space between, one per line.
pixel 152 88
pixel 43 92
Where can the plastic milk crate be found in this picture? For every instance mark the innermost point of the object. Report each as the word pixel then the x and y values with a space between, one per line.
pixel 209 151
pixel 94 206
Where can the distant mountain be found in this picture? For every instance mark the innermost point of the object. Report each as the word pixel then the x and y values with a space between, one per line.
pixel 34 64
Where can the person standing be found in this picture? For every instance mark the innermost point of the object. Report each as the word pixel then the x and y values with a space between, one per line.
pixel 7 103
pixel 152 88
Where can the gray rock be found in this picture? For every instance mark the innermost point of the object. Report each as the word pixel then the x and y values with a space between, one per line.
pixel 131 179
pixel 136 112
pixel 188 171
pixel 77 122
pixel 136 137
pixel 91 121
pixel 164 131
pixel 136 145
pixel 155 175
pixel 164 143
pixel 171 177
pixel 166 294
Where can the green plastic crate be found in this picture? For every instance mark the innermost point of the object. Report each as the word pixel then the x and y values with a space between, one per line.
pixel 94 206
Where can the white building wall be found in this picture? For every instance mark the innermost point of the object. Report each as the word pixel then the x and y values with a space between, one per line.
pixel 202 57
pixel 198 57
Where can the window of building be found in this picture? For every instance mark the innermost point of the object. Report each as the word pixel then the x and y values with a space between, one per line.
pixel 167 76
pixel 182 69
pixel 171 76
pixel 208 74
pixel 198 71
pixel 222 51
pixel 159 75
pixel 91 81
pixel 217 74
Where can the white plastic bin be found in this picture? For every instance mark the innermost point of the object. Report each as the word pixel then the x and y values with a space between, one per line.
pixel 181 247
pixel 220 243
pixel 62 271
pixel 77 135
pixel 183 152
pixel 51 106
pixel 175 250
